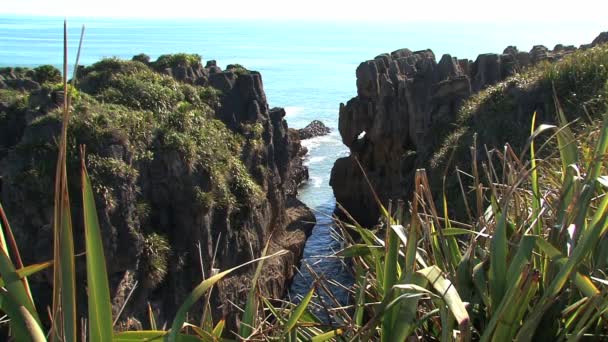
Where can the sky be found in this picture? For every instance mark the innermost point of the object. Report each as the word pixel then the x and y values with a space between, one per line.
pixel 470 11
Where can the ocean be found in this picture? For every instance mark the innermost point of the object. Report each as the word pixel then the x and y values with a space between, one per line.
pixel 307 67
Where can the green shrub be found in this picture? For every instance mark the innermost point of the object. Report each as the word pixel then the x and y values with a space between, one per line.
pixel 96 124
pixel 116 65
pixel 156 254
pixel 177 60
pixel 97 77
pixel 142 57
pixel 12 97
pixel 143 90
pixel 237 69
pixel 211 96
pixel 47 73
pixel 203 198
pixel 206 143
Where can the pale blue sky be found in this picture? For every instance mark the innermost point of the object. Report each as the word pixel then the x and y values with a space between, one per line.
pixel 470 11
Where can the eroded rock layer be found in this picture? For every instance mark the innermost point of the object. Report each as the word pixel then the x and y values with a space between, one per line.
pixel 405 102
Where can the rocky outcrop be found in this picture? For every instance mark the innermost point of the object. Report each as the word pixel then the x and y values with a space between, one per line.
pixel 195 178
pixel 314 129
pixel 601 39
pixel 406 102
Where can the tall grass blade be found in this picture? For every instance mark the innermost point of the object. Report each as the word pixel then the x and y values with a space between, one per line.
pixel 3 244
pixel 199 291
pixel 412 238
pixel 565 138
pixel 297 312
pixel 391 274
pixel 516 306
pixel 446 290
pixel 585 245
pixel 522 256
pixel 600 153
pixel 360 309
pixel 582 282
pixel 14 286
pixel 100 309
pixel 356 250
pixel 151 336
pixel 5 227
pixel 24 326
pixel 498 261
pixel 219 329
pixel 326 336
pixel 68 272
pixel 371 241
pixel 65 321
pixel 534 181
pixel 29 270
pixel 251 308
pixel 151 318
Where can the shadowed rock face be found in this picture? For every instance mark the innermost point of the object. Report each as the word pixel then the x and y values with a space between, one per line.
pixel 167 183
pixel 402 99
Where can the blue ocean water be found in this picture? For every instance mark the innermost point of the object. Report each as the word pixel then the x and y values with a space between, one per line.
pixel 307 67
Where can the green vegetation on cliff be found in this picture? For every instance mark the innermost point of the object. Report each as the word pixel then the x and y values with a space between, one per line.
pixel 502 113
pixel 128 104
pixel 177 60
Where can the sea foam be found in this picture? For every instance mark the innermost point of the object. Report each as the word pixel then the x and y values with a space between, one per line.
pixel 293 111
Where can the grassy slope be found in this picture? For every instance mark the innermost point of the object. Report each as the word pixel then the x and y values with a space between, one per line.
pixel 503 113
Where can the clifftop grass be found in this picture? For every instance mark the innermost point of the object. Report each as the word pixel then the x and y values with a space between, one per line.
pixel 503 113
pixel 177 60
pixel 128 104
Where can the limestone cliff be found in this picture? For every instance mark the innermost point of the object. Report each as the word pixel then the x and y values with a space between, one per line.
pixel 181 156
pixel 406 105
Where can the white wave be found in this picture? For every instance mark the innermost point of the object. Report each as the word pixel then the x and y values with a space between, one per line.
pixel 315 142
pixel 314 160
pixel 343 153
pixel 317 159
pixel 293 111
pixel 316 181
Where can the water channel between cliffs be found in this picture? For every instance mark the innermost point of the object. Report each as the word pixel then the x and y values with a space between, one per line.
pixel 323 242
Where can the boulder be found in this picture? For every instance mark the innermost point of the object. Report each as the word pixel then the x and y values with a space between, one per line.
pixel 602 38
pixel 510 50
pixel 448 67
pixel 486 71
pixel 314 129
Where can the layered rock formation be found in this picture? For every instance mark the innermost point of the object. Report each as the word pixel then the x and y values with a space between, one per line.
pixel 314 129
pixel 192 172
pixel 406 104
